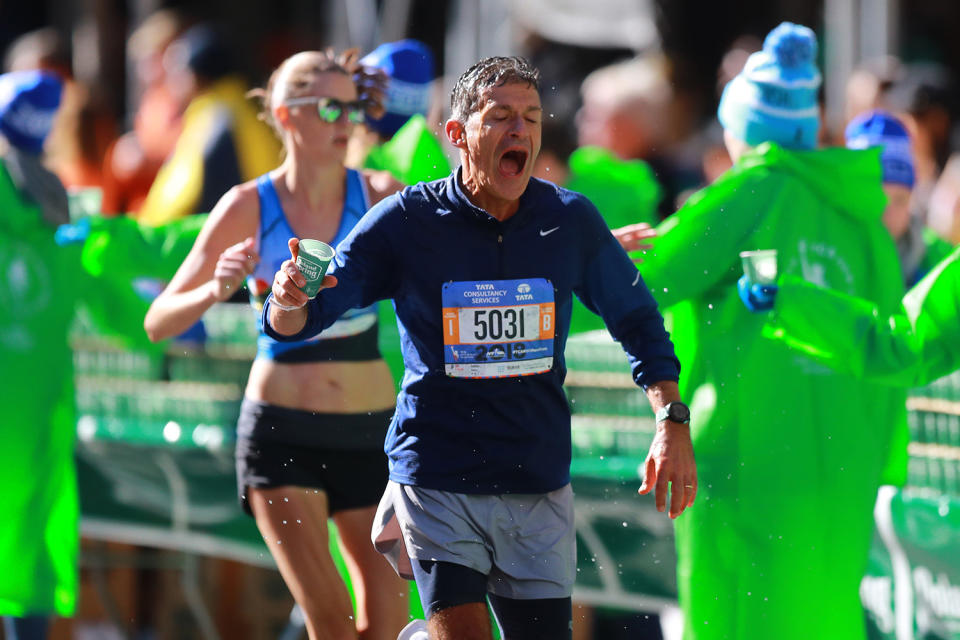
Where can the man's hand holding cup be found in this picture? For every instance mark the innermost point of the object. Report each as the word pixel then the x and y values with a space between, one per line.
pixel 303 275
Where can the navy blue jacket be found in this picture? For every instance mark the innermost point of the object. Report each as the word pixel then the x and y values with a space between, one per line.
pixel 491 435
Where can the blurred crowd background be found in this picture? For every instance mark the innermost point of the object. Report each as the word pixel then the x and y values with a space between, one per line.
pixel 638 79
pixel 122 111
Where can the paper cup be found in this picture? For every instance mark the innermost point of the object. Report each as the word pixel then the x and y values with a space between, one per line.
pixel 312 260
pixel 760 267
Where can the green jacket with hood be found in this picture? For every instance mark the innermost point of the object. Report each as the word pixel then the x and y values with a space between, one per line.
pixel 42 284
pixel 912 347
pixel 789 453
pixel 39 536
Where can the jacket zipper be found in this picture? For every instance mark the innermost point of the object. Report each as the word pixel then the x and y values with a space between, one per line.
pixel 500 256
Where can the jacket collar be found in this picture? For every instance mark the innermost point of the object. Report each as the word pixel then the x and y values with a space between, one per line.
pixel 460 201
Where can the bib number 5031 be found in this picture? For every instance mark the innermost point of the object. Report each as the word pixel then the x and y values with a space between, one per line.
pixel 497 324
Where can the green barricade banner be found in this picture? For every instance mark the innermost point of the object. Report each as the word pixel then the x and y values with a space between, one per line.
pixel 912 587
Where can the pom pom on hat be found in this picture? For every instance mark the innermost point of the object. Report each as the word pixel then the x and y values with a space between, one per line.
pixel 882 129
pixel 409 67
pixel 28 105
pixel 794 46
pixel 774 97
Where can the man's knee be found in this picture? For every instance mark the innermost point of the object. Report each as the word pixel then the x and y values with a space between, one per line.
pixel 443 585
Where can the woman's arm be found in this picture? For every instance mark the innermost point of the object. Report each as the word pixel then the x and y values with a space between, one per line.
pixel 223 255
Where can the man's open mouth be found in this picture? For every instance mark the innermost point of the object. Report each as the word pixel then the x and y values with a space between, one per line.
pixel 512 162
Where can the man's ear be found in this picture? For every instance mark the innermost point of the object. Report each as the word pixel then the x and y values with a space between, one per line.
pixel 456 133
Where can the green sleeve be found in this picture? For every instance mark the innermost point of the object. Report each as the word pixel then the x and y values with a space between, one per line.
pixel 912 347
pixel 698 246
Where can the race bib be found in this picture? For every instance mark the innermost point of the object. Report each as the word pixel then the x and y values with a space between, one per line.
pixel 498 328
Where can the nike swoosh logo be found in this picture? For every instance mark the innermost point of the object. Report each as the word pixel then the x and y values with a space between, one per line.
pixel 636 280
pixel 548 231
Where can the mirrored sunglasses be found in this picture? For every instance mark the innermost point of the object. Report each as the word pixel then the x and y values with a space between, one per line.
pixel 330 109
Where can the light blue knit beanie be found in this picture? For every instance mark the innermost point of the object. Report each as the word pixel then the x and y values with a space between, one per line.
pixel 774 98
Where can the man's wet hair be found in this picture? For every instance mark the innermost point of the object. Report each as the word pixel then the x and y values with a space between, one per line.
pixel 495 71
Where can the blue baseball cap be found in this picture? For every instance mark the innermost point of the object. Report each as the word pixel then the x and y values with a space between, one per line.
pixel 774 97
pixel 882 129
pixel 28 104
pixel 409 67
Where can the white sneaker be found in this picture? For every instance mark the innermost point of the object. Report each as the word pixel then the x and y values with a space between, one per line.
pixel 416 630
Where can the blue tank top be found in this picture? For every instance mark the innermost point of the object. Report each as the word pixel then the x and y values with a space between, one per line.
pixel 352 337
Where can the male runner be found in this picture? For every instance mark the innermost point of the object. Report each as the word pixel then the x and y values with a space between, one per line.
pixel 482 266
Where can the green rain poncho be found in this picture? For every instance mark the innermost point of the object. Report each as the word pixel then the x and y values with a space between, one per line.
pixel 623 191
pixel 789 454
pixel 39 535
pixel 42 284
pixel 913 347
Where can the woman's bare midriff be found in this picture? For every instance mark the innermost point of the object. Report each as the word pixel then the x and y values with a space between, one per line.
pixel 324 387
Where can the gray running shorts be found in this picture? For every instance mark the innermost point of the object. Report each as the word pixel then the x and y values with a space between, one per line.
pixel 524 543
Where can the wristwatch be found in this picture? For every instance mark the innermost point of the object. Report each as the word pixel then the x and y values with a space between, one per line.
pixel 674 412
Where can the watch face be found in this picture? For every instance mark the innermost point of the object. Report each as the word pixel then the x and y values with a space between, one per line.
pixel 678 412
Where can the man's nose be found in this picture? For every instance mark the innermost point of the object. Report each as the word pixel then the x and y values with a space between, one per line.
pixel 518 126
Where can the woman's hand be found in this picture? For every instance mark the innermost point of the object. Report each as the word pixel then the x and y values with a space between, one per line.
pixel 233 266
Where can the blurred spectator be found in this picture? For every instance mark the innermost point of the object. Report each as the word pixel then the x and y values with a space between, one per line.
pixel 943 206
pixel 84 124
pixel 408 65
pixel 919 248
pixel 627 109
pixel 133 160
pixel 868 85
pixel 400 140
pixel 39 536
pixel 222 142
pixel 923 96
pixel 40 49
pixel 778 547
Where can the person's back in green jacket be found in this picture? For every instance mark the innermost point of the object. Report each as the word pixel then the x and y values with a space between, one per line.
pixel 912 347
pixel 39 536
pixel 790 453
